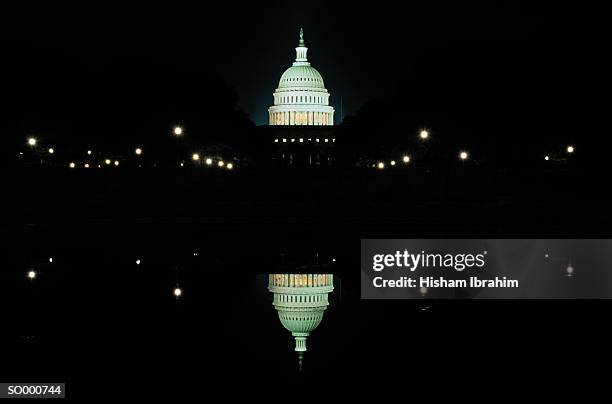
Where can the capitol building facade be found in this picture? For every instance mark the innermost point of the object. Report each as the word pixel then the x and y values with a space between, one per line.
pixel 301 98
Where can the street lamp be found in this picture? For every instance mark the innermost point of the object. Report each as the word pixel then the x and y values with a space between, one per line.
pixel 72 165
pixel 393 162
pixel 195 157
pixel 178 131
pixel 51 151
pixel 209 161
pixel 424 134
pixel 463 155
pixel 570 149
pixel 107 162
pixel 32 141
pixel 138 151
pixel 230 166
pixel 406 159
pixel 221 163
pixel 31 274
pixel 381 165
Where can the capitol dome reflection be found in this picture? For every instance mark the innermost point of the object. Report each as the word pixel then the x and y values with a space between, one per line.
pixel 300 300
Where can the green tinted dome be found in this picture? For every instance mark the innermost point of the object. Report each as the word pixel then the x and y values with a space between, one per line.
pixel 301 76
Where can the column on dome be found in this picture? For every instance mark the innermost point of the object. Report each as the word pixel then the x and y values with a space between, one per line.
pixel 316 118
pixel 290 117
pixel 309 117
pixel 324 119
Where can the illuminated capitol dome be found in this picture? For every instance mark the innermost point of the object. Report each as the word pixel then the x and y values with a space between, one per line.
pixel 300 300
pixel 301 97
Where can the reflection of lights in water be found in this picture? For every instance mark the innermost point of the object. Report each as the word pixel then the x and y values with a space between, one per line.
pixel 300 300
pixel 138 262
pixel 51 260
pixel 569 270
pixel 423 291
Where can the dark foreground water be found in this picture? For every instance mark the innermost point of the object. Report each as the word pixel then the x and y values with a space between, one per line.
pixel 108 326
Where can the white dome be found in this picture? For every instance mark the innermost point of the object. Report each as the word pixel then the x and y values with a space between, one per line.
pixel 301 76
pixel 301 97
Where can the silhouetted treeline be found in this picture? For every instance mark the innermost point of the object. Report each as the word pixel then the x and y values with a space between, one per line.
pixel 507 104
pixel 68 104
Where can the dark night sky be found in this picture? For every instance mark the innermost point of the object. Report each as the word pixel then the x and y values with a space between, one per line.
pixel 364 51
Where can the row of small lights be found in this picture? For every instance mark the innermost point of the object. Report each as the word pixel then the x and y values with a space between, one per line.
pixel 301 140
pixel 463 154
pixel 177 131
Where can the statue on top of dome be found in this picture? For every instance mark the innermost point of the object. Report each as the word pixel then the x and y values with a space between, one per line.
pixel 301 37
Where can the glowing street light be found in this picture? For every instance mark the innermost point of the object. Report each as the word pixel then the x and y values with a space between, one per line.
pixel 209 161
pixel 178 292
pixel 393 162
pixel 107 162
pixel 570 270
pixel 424 134
pixel 89 152
pixel 230 166
pixel 463 155
pixel 32 141
pixel 381 165
pixel 221 163
pixel 86 165
pixel 31 274
pixel 72 165
pixel 570 149
pixel 195 157
pixel 546 158
pixel 116 163
pixel 138 262
pixel 51 151
pixel 406 159
pixel 178 131
pixel 138 151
